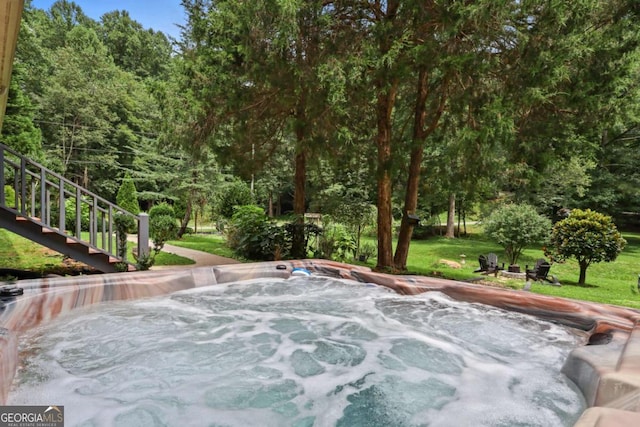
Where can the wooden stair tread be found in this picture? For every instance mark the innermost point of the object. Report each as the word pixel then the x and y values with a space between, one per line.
pixel 50 230
pixel 24 218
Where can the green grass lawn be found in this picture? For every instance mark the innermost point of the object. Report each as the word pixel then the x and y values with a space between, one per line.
pixel 163 258
pixel 22 254
pixel 612 283
pixel 210 243
pixel 19 253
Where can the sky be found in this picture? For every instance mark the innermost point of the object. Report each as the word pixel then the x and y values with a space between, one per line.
pixel 160 15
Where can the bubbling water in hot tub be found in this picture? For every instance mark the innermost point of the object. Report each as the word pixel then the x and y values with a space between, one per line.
pixel 303 351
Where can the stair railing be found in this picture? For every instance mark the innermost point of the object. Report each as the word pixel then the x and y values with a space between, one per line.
pixel 45 197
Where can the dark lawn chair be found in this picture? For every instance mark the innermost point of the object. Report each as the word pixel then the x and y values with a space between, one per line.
pixel 540 272
pixel 489 264
pixel 484 265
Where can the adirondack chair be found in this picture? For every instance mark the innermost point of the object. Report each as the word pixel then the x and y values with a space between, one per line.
pixel 540 272
pixel 484 265
pixel 489 264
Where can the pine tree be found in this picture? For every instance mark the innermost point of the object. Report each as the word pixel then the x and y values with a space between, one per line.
pixel 127 197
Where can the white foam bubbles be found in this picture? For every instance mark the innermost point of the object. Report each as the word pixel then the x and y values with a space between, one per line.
pixel 303 351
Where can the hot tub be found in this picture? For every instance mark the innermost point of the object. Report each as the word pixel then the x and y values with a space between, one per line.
pixel 604 371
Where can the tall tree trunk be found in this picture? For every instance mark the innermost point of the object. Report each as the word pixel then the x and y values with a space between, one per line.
pixel 190 196
pixel 420 133
pixel 385 103
pixel 459 216
pixel 298 249
pixel 464 222
pixel 413 181
pixel 451 217
pixel 187 217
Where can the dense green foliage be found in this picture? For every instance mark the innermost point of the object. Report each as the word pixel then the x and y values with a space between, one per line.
pixel 336 242
pixel 348 206
pixel 515 227
pixel 123 224
pixel 127 197
pixel 253 235
pixel 70 208
pixel 234 194
pixel 589 237
pixel 18 129
pixel 9 195
pixel 408 106
pixel 162 225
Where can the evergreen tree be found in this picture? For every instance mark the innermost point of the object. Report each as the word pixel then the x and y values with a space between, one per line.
pixel 18 130
pixel 127 197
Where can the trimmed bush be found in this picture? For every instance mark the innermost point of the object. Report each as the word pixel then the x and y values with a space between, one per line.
pixel 587 236
pixel 162 225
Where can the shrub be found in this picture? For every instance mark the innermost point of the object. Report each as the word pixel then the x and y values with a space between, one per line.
pixel 162 225
pixel 163 208
pixel 249 233
pixel 367 251
pixel 127 197
pixel 123 224
pixel 515 227
pixel 70 215
pixel 236 193
pixel 336 243
pixel 349 206
pixel 587 236
pixel 9 195
pixel 253 235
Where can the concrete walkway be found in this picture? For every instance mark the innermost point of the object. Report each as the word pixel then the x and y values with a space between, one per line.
pixel 202 259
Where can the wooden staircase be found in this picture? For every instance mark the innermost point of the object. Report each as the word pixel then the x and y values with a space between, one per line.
pixel 35 203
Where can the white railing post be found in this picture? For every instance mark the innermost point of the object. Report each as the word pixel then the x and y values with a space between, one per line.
pixel 143 235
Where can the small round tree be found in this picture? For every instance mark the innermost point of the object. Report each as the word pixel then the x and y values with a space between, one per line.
pixel 515 227
pixel 587 236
